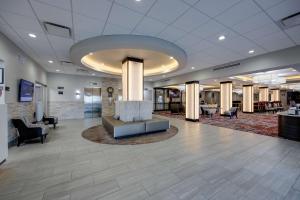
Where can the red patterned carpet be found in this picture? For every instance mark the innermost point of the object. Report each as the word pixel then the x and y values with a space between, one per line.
pixel 260 123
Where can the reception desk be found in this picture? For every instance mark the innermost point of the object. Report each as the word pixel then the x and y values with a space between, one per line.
pixel 289 126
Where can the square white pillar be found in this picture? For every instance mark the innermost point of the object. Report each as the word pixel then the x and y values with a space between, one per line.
pixel 275 95
pixel 248 98
pixel 133 79
pixel 226 96
pixel 192 101
pixel 263 94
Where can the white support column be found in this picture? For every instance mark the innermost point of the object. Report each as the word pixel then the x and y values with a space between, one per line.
pixel 133 79
pixel 275 95
pixel 226 96
pixel 192 101
pixel 248 98
pixel 263 94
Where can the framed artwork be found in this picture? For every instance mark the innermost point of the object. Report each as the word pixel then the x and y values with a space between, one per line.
pixel 1 75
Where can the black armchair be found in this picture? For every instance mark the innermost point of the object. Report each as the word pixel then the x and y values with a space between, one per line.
pixel 232 112
pixel 50 120
pixel 28 133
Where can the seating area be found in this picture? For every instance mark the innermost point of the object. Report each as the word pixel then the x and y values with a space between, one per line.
pixel 119 129
pixel 29 131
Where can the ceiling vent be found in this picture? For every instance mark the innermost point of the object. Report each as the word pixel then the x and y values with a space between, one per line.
pixel 291 21
pixel 226 66
pixel 57 30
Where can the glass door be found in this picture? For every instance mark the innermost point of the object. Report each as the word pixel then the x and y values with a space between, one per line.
pixel 92 103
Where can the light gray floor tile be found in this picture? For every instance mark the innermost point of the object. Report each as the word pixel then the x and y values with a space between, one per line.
pixel 201 162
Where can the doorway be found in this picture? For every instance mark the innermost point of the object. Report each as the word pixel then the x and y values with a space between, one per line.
pixel 41 107
pixel 92 103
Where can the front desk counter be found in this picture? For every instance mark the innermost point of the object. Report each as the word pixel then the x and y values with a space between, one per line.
pixel 289 126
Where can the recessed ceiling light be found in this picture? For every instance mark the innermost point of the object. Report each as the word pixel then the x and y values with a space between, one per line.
pixel 193 67
pixel 50 61
pixel 32 35
pixel 138 0
pixel 171 57
pixel 57 70
pixel 251 51
pixel 91 53
pixel 222 37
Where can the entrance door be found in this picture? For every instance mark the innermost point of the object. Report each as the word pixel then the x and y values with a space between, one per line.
pixel 92 103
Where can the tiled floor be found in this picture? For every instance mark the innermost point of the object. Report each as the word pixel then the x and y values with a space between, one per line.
pixel 200 162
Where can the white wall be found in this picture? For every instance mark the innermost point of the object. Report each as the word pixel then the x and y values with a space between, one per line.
pixel 18 66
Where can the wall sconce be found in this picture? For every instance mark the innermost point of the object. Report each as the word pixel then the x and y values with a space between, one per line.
pixel 77 94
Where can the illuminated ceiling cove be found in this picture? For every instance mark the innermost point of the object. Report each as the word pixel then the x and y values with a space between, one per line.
pixel 105 54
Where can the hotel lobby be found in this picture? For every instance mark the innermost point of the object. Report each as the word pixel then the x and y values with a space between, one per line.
pixel 149 99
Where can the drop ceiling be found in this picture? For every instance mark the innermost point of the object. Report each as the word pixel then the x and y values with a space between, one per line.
pixel 194 25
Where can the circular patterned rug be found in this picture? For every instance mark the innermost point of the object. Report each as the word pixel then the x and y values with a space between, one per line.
pixel 98 134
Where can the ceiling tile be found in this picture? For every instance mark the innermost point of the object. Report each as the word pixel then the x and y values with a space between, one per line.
pixel 214 7
pixel 275 41
pixel 241 45
pixel 252 23
pixel 98 9
pixel 284 9
pixel 17 7
pixel 61 46
pixel 142 6
pixel 111 29
pixel 46 13
pixel 262 31
pixel 167 12
pixel 190 20
pixel 124 17
pixel 64 4
pixel 239 12
pixel 210 28
pixel 202 45
pixel 85 27
pixel 188 41
pixel 150 26
pixel 265 4
pixel 40 44
pixel 191 2
pixel 2 21
pixel 171 34
pixel 22 22
pixel 214 38
pixel 294 33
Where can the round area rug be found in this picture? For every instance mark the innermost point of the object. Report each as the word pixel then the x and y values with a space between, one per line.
pixel 98 134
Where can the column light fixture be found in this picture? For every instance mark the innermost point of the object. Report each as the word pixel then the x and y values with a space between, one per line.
pixel 133 79
pixel 192 101
pixel 226 96
pixel 248 99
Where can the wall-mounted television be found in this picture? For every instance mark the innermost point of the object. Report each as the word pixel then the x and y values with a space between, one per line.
pixel 26 89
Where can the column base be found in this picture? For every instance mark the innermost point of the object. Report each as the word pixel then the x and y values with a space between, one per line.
pixel 192 120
